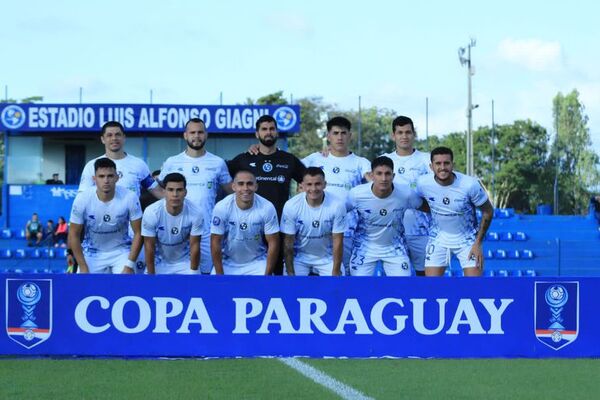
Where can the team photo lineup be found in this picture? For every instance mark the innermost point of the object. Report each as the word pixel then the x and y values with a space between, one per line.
pixel 406 211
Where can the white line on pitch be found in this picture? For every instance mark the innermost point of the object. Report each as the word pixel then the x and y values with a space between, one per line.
pixel 339 388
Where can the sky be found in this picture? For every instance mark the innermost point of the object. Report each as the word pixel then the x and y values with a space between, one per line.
pixel 393 54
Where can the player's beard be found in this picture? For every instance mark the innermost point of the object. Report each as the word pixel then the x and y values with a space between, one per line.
pixel 268 141
pixel 196 147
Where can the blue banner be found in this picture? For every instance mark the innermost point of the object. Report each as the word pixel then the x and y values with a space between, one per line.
pixel 149 118
pixel 49 201
pixel 228 316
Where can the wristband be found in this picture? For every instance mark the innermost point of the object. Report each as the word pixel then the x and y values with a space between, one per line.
pixel 130 264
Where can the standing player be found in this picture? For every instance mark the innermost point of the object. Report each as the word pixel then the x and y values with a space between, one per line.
pixel 133 172
pixel 453 198
pixel 343 171
pixel 104 213
pixel 379 232
pixel 245 231
pixel 172 228
pixel 274 169
pixel 313 224
pixel 204 173
pixel 409 164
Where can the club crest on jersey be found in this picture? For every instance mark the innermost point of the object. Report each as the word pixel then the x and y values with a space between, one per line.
pixel 556 313
pixel 29 311
pixel 216 221
pixel 446 201
pixel 120 174
pixel 401 170
pixel 267 167
pixel 383 212
pixel 174 230
pixel 195 169
pixel 405 265
pixel 336 170
pixel 316 224
pixel 106 218
pixel 243 226
pixel 281 179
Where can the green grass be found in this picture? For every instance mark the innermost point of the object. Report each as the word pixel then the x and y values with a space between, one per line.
pixel 268 378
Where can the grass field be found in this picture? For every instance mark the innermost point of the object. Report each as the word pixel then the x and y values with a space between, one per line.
pixel 270 378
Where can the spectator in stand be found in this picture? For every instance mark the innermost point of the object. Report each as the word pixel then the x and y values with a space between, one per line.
pixel 60 233
pixel 48 234
pixel 54 180
pixel 34 231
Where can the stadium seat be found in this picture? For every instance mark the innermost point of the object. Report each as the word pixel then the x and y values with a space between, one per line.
pixel 492 236
pixel 530 272
pixel 506 236
pixel 34 253
pixel 500 254
pixel 21 234
pixel 528 254
pixel 20 253
pixel 490 273
pixel 520 236
pixel 48 253
pixel 502 273
pixel 514 254
pixel 5 253
pixel 489 254
pixel 6 233
pixel 61 253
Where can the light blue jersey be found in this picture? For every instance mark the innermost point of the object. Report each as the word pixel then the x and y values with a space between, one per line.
pixel 380 232
pixel 244 230
pixel 172 232
pixel 454 222
pixel 313 227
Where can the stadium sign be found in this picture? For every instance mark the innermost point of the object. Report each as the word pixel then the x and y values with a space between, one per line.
pixel 157 118
pixel 229 316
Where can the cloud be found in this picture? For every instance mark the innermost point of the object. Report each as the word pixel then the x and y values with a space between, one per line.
pixel 534 54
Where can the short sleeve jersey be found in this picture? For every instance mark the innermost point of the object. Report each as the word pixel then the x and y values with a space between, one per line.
pixel 379 231
pixel 274 173
pixel 407 170
pixel 133 174
pixel 105 224
pixel 172 232
pixel 203 175
pixel 243 230
pixel 454 222
pixel 313 227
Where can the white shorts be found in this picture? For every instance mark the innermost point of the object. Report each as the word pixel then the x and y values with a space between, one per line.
pixel 108 263
pixel 182 268
pixel 416 245
pixel 439 255
pixel 304 269
pixel 254 268
pixel 393 265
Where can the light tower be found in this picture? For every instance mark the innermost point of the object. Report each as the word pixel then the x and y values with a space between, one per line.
pixel 470 107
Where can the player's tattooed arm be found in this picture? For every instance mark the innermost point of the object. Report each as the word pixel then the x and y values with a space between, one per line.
pixel 487 213
pixel 288 251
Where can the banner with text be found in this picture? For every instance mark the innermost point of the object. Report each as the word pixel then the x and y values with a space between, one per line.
pixel 151 118
pixel 229 316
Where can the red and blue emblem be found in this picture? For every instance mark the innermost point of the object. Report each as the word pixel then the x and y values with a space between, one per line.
pixel 29 311
pixel 556 313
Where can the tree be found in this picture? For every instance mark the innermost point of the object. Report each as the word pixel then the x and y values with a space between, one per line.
pixel 572 159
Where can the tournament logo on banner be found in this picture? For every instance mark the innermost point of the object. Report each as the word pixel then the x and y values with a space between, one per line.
pixel 29 311
pixel 556 313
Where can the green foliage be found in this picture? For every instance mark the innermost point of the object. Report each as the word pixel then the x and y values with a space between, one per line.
pixel 375 131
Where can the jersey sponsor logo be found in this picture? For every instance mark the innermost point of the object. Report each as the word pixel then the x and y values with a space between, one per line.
pixel 267 167
pixel 243 226
pixel 284 166
pixel 556 313
pixel 336 170
pixel 316 224
pixel 446 201
pixel 119 174
pixel 216 221
pixel 195 169
pixel 174 230
pixel 401 170
pixel 29 311
pixel 13 117
pixel 106 218
pixel 286 118
pixel 253 164
pixel 383 212
pixel 281 179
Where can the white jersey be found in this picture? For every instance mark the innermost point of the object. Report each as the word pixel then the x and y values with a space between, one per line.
pixel 407 170
pixel 341 174
pixel 380 232
pixel 313 227
pixel 133 173
pixel 106 224
pixel 452 208
pixel 244 230
pixel 172 232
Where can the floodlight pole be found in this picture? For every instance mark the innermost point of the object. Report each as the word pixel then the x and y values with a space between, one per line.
pixel 470 107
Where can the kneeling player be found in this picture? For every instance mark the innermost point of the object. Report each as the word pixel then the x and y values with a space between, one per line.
pixel 104 213
pixel 379 232
pixel 314 224
pixel 245 231
pixel 172 230
pixel 453 198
